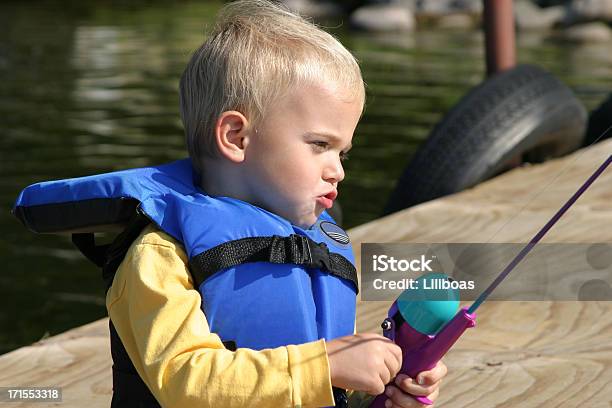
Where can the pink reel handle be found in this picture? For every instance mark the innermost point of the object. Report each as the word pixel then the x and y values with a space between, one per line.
pixel 421 352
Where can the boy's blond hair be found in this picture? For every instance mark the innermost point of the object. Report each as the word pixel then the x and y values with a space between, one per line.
pixel 257 52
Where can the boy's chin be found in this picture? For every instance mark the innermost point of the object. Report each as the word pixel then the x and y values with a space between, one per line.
pixel 303 219
pixel 306 222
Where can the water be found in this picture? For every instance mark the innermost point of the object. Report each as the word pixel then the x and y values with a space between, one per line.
pixel 93 88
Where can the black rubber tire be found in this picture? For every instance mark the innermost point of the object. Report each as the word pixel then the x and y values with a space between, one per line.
pixel 523 113
pixel 600 121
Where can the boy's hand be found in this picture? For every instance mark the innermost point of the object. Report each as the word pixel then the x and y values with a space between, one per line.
pixel 363 362
pixel 429 388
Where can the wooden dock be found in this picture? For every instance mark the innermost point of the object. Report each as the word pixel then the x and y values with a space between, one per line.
pixel 527 354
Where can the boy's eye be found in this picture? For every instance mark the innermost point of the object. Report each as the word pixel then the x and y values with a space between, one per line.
pixel 320 146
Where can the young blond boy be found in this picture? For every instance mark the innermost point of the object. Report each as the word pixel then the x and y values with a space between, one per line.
pixel 269 105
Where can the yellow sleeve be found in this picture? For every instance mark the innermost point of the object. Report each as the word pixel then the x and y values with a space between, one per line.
pixel 156 312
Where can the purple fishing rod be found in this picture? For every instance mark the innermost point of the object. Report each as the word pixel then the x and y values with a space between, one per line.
pixel 422 351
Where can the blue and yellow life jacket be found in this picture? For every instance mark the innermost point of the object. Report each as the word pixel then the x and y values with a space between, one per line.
pixel 302 281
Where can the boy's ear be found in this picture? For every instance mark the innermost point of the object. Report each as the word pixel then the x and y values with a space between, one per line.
pixel 232 135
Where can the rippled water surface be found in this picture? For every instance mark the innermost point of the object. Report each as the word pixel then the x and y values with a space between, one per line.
pixel 93 88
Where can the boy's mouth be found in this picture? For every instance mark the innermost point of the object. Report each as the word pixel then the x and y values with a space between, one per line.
pixel 327 200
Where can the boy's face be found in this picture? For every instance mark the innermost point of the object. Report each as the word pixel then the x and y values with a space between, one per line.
pixel 293 163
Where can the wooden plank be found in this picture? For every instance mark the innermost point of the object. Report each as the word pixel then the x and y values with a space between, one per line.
pixel 521 353
pixel 78 361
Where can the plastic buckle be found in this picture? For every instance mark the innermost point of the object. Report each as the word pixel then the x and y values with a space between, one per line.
pixel 317 255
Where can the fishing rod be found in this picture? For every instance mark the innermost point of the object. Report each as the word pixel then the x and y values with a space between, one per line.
pixel 424 343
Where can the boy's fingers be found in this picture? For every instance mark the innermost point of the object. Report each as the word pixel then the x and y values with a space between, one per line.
pixel 432 376
pixel 397 353
pixel 408 385
pixel 402 400
pixel 434 395
pixel 395 359
pixel 429 387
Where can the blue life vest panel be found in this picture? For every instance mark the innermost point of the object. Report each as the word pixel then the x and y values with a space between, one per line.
pixel 256 304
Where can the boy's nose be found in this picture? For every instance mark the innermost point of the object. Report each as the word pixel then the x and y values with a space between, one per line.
pixel 334 172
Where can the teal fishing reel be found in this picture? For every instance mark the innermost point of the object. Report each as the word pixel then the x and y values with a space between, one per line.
pixel 429 306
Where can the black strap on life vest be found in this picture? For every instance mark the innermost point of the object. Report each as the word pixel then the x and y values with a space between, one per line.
pixel 118 249
pixel 86 243
pixel 293 249
pixel 109 256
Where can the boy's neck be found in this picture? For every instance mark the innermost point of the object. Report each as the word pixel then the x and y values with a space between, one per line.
pixel 220 180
